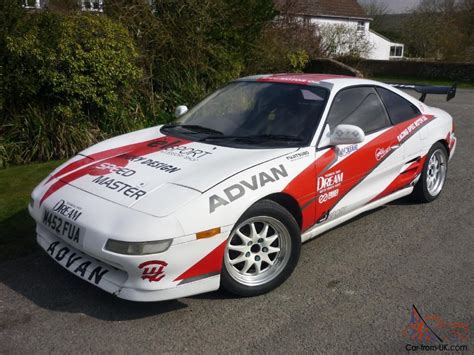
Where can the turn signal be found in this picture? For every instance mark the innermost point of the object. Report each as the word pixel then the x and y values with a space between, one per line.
pixel 209 233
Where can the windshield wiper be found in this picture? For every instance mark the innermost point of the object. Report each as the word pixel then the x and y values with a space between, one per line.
pixel 257 138
pixel 193 128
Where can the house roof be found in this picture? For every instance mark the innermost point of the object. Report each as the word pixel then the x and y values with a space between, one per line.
pixel 322 8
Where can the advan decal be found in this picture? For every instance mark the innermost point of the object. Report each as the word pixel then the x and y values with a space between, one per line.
pixel 238 190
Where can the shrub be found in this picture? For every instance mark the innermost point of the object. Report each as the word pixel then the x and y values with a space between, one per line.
pixel 285 44
pixel 191 47
pixel 80 65
pixel 66 78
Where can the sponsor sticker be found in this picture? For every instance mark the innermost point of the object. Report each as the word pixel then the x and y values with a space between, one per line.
pixel 119 170
pixel 330 181
pixel 77 263
pixel 119 186
pixel 328 196
pixel 380 153
pixel 185 152
pixel 152 163
pixel 153 270
pixel 238 190
pixel 343 151
pixel 297 156
pixel 414 126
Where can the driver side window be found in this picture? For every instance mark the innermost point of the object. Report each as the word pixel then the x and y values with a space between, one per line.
pixel 358 106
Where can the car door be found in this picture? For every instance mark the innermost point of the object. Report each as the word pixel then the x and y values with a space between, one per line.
pixel 402 112
pixel 357 173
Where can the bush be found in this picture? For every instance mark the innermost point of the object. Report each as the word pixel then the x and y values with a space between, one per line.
pixel 63 74
pixel 80 65
pixel 38 136
pixel 191 47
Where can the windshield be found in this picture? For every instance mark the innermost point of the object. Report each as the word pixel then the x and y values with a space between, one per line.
pixel 254 114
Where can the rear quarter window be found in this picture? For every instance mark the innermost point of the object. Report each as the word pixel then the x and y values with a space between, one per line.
pixel 398 108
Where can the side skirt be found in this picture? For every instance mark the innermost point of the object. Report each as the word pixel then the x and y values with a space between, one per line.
pixel 318 229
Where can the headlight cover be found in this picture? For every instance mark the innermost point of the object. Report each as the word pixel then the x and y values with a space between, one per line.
pixel 137 248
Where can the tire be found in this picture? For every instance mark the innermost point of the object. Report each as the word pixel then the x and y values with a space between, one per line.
pixel 432 179
pixel 262 267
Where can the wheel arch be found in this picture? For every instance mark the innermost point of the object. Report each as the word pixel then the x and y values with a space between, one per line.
pixel 289 203
pixel 445 145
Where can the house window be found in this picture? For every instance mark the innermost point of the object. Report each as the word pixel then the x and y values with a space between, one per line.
pixel 396 51
pixel 31 4
pixel 92 5
pixel 360 26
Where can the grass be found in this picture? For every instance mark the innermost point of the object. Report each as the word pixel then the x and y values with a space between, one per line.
pixel 17 228
pixel 411 80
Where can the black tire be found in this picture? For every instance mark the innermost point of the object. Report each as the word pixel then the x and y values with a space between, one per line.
pixel 421 192
pixel 269 211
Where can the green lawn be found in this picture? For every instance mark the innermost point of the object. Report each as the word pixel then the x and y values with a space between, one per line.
pixel 17 229
pixel 409 80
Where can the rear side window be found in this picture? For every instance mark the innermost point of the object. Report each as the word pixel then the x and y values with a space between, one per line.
pixel 358 106
pixel 398 108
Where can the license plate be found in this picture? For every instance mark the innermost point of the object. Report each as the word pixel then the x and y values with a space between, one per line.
pixel 63 228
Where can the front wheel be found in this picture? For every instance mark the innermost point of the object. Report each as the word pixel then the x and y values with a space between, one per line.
pixel 433 175
pixel 262 250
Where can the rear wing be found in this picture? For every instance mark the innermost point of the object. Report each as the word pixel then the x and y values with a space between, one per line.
pixel 449 91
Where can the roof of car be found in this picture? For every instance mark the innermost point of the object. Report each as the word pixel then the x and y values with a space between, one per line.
pixel 298 78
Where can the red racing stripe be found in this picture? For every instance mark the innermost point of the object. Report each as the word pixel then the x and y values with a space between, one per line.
pixel 114 156
pixel 210 264
pixel 303 186
pixel 403 180
pixel 354 169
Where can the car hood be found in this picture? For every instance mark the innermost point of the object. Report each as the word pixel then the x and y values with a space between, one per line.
pixel 146 163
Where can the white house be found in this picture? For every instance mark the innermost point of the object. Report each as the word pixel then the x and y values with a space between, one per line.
pixel 86 5
pixel 343 12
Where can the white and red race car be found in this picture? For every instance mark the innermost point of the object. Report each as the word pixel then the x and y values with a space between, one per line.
pixel 226 194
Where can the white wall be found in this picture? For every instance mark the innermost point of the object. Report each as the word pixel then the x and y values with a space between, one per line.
pixel 380 45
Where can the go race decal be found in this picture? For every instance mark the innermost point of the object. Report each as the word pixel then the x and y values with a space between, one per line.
pixel 115 160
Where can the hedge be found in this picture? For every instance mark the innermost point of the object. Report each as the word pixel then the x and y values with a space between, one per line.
pixel 462 72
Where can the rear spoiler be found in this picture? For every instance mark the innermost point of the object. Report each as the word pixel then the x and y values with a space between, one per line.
pixel 449 91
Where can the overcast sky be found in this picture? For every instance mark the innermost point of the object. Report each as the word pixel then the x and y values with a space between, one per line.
pixel 398 6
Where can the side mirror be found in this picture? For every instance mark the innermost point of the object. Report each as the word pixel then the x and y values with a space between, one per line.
pixel 347 134
pixel 180 110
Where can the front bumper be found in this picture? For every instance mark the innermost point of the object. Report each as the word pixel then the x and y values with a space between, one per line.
pixel 190 265
pixel 113 280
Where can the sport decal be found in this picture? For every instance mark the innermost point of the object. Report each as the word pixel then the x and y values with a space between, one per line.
pixel 239 189
pixel 303 186
pixel 187 153
pixel 342 152
pixel 76 263
pixel 153 270
pixel 114 160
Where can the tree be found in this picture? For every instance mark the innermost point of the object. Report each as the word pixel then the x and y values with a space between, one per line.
pixel 190 47
pixel 286 43
pixel 344 41
pixel 440 29
pixel 375 9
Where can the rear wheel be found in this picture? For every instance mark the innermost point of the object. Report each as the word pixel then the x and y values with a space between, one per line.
pixel 262 250
pixel 433 176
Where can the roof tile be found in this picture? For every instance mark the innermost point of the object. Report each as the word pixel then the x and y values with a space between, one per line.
pixel 332 8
